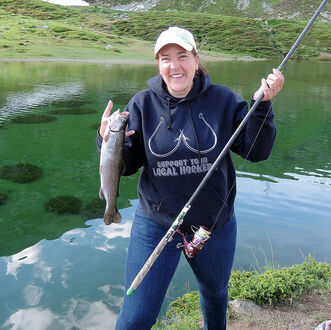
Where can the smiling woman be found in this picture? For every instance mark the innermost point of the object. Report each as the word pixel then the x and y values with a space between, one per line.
pixel 183 118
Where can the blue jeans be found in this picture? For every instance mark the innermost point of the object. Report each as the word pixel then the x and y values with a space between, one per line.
pixel 211 266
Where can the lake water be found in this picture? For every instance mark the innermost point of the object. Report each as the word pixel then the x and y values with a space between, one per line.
pixel 67 271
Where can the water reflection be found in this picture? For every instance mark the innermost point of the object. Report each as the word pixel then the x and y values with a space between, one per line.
pixel 96 316
pixel 23 102
pixel 74 281
pixel 77 280
pixel 28 256
pixel 286 210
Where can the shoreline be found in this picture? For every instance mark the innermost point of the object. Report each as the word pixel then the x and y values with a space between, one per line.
pixel 204 58
pixel 72 60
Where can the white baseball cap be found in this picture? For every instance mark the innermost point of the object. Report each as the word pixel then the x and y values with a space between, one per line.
pixel 175 35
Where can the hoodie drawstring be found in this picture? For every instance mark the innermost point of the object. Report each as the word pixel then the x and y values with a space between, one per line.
pixel 170 120
pixel 195 133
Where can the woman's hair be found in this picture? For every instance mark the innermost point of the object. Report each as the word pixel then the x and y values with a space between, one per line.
pixel 201 67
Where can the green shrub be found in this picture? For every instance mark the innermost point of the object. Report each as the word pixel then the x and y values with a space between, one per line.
pixel 183 305
pixel 184 313
pixel 20 173
pixel 3 198
pixel 95 208
pixel 276 285
pixel 269 287
pixel 59 29
pixel 33 118
pixel 72 111
pixel 63 204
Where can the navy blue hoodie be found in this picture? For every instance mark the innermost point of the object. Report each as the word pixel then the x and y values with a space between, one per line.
pixel 176 142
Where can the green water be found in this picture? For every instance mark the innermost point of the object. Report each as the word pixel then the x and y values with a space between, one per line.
pixel 67 271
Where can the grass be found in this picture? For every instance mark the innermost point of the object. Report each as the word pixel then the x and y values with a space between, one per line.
pixel 270 287
pixel 49 31
pixel 36 29
pixel 253 8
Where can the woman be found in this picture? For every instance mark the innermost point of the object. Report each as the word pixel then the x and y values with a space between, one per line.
pixel 176 130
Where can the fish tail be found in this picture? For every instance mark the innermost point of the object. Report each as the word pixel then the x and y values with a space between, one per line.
pixel 112 217
pixel 117 217
pixel 101 194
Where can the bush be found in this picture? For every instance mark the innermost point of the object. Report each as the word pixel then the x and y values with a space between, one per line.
pixel 3 198
pixel 72 111
pixel 276 285
pixel 20 173
pixel 95 208
pixel 63 204
pixel 269 287
pixel 33 118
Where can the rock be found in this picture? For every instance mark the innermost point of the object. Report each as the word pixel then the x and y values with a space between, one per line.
pixel 109 47
pixel 297 326
pixel 244 307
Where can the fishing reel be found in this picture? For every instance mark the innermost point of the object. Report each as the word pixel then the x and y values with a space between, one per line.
pixel 201 236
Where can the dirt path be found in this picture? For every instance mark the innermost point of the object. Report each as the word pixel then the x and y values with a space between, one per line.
pixel 306 314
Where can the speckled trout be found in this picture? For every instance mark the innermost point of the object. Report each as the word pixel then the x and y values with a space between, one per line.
pixel 112 164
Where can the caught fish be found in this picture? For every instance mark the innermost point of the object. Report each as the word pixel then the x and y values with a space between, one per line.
pixel 112 164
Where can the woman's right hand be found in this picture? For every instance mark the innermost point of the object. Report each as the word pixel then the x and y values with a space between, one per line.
pixel 104 120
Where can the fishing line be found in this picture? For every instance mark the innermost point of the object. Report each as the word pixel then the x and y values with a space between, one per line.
pixel 235 181
pixel 244 165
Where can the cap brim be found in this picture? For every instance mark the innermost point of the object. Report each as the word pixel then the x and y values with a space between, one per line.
pixel 178 42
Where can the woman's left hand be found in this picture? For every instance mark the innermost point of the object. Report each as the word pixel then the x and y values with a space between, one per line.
pixel 270 86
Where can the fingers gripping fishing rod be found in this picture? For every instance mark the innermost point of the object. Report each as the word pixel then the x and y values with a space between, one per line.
pixel 180 218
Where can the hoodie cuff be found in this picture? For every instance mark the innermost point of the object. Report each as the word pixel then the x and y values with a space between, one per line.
pixel 263 107
pixel 99 140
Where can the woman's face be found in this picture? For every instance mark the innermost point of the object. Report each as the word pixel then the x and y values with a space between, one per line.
pixel 177 67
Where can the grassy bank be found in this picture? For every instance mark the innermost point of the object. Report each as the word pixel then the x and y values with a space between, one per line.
pixel 270 288
pixel 36 29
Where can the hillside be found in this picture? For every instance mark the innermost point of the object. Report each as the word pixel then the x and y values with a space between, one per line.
pixel 36 29
pixel 279 9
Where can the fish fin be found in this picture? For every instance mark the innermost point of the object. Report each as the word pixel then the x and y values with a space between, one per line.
pixel 106 136
pixel 117 217
pixel 112 218
pixel 101 194
pixel 123 167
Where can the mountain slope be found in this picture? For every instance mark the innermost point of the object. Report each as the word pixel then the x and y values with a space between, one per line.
pixel 280 9
pixel 35 29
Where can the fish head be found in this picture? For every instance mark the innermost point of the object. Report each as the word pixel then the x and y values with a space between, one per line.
pixel 118 121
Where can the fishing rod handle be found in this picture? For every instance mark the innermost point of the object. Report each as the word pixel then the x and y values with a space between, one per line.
pixel 157 251
pixel 147 266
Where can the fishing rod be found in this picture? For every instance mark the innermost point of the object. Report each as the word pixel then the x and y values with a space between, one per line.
pixel 180 218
